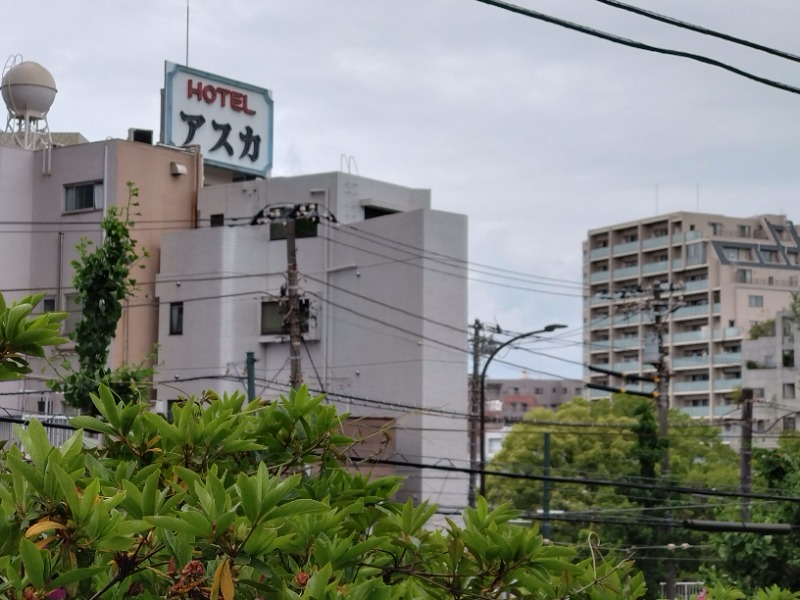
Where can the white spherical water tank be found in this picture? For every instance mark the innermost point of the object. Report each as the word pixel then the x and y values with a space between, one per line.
pixel 28 90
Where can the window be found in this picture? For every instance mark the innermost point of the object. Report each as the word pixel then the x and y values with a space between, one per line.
pixel 303 228
pixel 744 276
pixel 176 318
pixel 743 231
pixel 48 305
pixel 716 228
pixel 217 220
pixel 755 301
pixel 788 391
pixel 789 424
pixel 83 196
pixel 788 358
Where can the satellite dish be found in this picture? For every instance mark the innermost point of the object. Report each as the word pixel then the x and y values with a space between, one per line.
pixel 28 91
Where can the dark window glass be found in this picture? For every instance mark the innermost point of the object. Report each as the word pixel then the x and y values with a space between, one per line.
pixel 176 318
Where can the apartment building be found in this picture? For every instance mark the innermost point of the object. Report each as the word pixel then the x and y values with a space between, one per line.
pixel 718 276
pixel 510 399
pixel 771 369
pixel 53 197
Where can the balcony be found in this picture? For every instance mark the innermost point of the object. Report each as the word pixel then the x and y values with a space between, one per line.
pixel 695 285
pixel 600 323
pixel 625 272
pixel 728 358
pixel 696 310
pixel 655 267
pixel 679 387
pixel 625 248
pixel 629 366
pixel 705 412
pixel 596 253
pixel 625 343
pixel 689 362
pixel 598 276
pixel 598 300
pixel 677 263
pixel 724 385
pixel 626 319
pixel 655 242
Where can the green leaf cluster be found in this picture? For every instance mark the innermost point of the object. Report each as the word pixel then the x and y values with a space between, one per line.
pixel 23 336
pixel 253 500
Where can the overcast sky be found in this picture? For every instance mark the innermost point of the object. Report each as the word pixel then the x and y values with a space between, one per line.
pixel 536 132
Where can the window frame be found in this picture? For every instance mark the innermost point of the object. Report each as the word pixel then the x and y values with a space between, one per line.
pixel 176 316
pixel 75 193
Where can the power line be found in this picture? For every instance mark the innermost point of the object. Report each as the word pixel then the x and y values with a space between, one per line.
pixel 638 45
pixel 696 28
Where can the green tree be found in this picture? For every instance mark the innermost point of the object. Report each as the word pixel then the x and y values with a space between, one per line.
pixel 103 281
pixel 752 561
pixel 613 440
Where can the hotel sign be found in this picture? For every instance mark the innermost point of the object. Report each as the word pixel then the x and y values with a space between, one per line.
pixel 231 121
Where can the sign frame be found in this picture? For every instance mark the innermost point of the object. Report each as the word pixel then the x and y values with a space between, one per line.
pixel 230 120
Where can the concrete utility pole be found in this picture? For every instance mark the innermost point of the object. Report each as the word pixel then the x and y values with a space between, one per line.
pixel 746 451
pixel 661 307
pixel 289 214
pixel 474 410
pixel 293 307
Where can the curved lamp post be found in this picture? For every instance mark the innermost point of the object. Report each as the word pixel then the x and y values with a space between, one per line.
pixel 547 329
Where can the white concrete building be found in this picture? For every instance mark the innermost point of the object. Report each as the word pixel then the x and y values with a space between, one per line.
pixel 386 293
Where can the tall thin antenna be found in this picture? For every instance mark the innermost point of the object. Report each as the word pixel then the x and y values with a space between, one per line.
pixel 187 33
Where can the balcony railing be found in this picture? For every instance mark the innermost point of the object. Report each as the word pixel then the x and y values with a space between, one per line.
pixel 625 272
pixel 596 253
pixel 690 386
pixel 728 358
pixel 655 267
pixel 689 361
pixel 705 412
pixel 727 384
pixel 655 242
pixel 625 248
pixel 695 285
pixel 598 276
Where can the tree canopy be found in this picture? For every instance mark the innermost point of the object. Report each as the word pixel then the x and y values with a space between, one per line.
pixel 614 440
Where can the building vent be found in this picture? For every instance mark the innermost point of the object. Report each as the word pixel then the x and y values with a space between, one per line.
pixel 145 136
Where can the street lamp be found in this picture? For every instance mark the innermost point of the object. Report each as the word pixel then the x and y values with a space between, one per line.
pixel 547 329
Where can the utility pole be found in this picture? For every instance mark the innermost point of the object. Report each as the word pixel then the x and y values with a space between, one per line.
pixel 660 307
pixel 289 214
pixel 474 410
pixel 293 306
pixel 251 376
pixel 655 353
pixel 746 451
pixel 546 528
